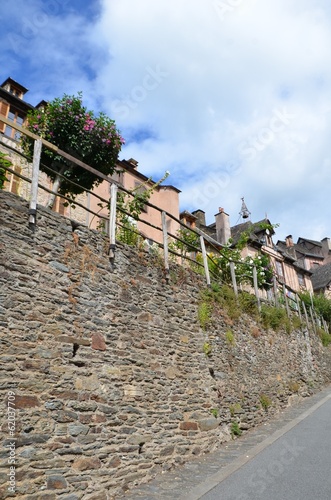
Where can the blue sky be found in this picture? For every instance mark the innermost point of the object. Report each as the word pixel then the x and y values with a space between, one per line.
pixel 231 96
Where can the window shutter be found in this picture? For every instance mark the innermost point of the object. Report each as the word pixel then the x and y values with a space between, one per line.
pixel 4 108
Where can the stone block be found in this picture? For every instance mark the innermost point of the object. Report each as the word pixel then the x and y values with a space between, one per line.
pixel 26 401
pixel 188 426
pixel 89 463
pixel 56 483
pixel 208 424
pixel 76 429
pixel 63 416
pixel 145 317
pixel 98 342
pixel 114 463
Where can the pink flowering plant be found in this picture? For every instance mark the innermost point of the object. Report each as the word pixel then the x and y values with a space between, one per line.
pixel 95 140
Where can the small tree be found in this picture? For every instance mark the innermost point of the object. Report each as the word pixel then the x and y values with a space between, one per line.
pixel 66 123
pixel 4 163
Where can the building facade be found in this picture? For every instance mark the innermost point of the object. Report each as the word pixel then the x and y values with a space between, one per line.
pixel 166 197
pixel 287 268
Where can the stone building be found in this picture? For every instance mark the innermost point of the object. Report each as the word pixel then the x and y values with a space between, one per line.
pixel 288 269
pixel 165 197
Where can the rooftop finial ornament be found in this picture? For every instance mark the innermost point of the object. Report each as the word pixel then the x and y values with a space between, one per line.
pixel 244 212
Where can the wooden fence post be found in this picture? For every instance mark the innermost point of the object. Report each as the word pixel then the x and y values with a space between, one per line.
pixel 205 261
pixel 286 301
pixel 313 319
pixel 165 245
pixel 233 278
pixel 112 222
pixel 34 184
pixel 256 288
pixel 275 291
pixel 298 304
pixel 305 313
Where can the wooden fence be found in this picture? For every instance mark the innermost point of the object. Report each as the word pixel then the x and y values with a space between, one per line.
pixel 279 294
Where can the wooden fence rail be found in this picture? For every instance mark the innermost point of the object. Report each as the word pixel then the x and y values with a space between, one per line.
pixel 113 219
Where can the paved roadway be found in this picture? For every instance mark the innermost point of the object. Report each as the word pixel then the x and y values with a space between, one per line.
pixel 288 458
pixel 296 466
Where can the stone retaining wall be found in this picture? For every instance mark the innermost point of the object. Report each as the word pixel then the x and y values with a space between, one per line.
pixel 110 378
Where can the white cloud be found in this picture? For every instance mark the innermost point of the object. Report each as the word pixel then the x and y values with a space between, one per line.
pixel 200 91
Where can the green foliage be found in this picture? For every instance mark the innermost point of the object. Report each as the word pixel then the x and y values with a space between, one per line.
pixel 219 265
pixel 296 322
pixel 321 304
pixel 235 408
pixel 92 139
pixel 235 429
pixel 248 304
pixel 324 336
pixel 265 401
pixel 222 297
pixel 127 233
pixel 294 386
pixel 230 338
pixel 207 349
pixel 4 163
pixel 204 314
pixel 190 241
pixel 214 412
pixel 275 318
pixel 246 235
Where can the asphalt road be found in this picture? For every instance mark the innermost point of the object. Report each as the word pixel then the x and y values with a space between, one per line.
pixel 295 466
pixel 286 458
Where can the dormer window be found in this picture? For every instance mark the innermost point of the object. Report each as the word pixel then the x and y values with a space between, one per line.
pixel 15 92
pixel 14 88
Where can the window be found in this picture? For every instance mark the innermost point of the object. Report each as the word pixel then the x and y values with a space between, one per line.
pixel 15 117
pixel 279 269
pixel 301 280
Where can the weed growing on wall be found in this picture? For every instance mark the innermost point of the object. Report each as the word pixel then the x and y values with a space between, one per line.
pixel 324 336
pixel 265 401
pixel 230 338
pixel 235 429
pixel 4 163
pixel 207 349
pixel 275 318
pixel 204 314
pixel 235 408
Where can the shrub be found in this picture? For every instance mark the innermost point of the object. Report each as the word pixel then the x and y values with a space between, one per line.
pixel 275 318
pixel 265 401
pixel 324 336
pixel 248 304
pixel 204 314
pixel 230 339
pixel 235 429
pixel 4 163
pixel 235 408
pixel 207 349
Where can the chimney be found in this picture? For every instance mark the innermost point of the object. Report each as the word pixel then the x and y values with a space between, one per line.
pixel 133 162
pixel 201 217
pixel 289 241
pixel 223 231
pixel 326 245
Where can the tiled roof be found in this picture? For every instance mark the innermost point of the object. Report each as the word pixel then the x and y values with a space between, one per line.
pixel 321 276
pixel 253 228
